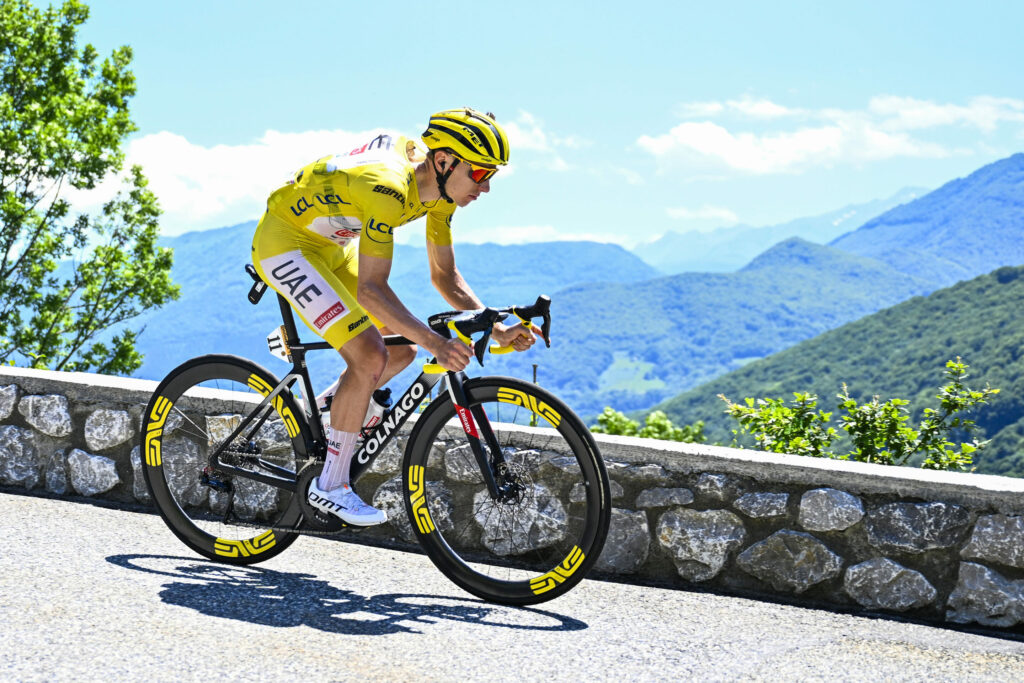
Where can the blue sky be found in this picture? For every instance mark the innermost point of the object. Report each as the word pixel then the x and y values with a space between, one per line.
pixel 627 119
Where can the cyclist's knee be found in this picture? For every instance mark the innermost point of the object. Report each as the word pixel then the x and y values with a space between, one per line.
pixel 366 357
pixel 402 356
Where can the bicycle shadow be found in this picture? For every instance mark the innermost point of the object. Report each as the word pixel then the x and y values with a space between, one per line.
pixel 283 599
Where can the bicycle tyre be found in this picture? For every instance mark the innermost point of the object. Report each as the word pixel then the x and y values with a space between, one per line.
pixel 173 461
pixel 518 553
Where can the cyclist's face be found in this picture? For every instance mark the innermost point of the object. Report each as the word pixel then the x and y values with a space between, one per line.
pixel 460 185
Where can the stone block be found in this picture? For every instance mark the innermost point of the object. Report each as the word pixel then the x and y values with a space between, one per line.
pixel 49 414
pixel 984 596
pixel 390 498
pixel 629 540
pixel 997 538
pixel 663 498
pixel 57 473
pixel 107 428
pixel 139 488
pixel 883 584
pixel 790 561
pixel 917 527
pixel 18 463
pixel 762 505
pixel 91 474
pixel 576 494
pixel 829 510
pixel 718 487
pixel 540 523
pixel 699 542
pixel 8 397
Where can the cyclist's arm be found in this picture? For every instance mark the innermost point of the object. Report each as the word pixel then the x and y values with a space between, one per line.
pixel 447 279
pixel 457 292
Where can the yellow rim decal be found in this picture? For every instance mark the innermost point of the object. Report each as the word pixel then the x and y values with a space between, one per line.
pixel 559 574
pixel 520 398
pixel 155 429
pixel 284 411
pixel 417 497
pixel 252 546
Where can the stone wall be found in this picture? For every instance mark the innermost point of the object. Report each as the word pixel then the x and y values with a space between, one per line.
pixel 930 545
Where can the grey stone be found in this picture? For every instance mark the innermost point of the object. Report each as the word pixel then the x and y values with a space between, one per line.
pixel 829 510
pixel 49 414
pixel 538 523
pixel 182 467
pixel 883 584
pixel 107 428
pixel 8 397
pixel 57 473
pixel 389 461
pixel 663 498
pixel 628 543
pixel 253 500
pixel 790 561
pixel 91 474
pixel 18 463
pixel 762 505
pixel 917 527
pixel 997 538
pixel 718 487
pixel 139 488
pixel 577 495
pixel 390 498
pixel 981 595
pixel 460 465
pixel 642 474
pixel 700 541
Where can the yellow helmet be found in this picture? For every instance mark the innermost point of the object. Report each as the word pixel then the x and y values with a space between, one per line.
pixel 470 135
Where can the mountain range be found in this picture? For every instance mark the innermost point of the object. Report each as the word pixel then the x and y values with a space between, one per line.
pixel 727 249
pixel 624 337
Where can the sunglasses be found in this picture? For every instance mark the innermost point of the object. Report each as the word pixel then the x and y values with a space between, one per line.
pixel 479 174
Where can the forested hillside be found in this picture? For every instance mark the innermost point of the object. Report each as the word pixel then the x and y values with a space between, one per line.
pixel 899 353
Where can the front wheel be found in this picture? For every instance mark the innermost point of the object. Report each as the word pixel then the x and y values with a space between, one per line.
pixel 538 539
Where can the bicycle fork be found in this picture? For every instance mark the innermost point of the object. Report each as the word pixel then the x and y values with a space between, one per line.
pixel 477 427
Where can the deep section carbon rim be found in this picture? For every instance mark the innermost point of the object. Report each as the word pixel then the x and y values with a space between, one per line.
pixel 193 412
pixel 542 536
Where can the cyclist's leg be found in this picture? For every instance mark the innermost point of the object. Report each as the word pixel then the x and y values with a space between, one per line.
pixel 301 267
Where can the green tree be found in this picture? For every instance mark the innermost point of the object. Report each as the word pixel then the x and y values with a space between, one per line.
pixel 656 426
pixel 69 283
pixel 878 430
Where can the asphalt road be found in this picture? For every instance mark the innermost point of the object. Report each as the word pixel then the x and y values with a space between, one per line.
pixel 90 593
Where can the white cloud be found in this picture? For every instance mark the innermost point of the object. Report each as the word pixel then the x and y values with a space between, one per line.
pixel 744 106
pixel 824 137
pixel 984 113
pixel 206 187
pixel 706 212
pixel 525 133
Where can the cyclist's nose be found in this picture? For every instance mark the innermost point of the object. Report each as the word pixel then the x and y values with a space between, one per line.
pixel 485 186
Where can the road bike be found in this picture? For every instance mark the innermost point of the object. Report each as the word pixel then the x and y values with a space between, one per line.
pixel 501 483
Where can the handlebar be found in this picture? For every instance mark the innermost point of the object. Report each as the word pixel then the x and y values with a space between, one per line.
pixel 464 324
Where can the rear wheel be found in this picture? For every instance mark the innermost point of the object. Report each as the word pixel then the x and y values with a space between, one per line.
pixel 192 414
pixel 541 536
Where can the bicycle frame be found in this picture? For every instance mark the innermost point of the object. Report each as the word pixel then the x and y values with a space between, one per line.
pixel 474 421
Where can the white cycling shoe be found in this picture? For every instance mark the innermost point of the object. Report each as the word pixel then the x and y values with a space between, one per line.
pixel 346 504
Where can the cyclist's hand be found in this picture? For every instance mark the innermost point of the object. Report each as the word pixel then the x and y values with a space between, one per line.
pixel 453 354
pixel 520 337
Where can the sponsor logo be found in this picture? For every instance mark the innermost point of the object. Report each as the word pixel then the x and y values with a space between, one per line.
pixel 391 422
pixel 357 323
pixel 327 316
pixel 382 230
pixel 379 142
pixel 468 425
pixel 304 204
pixel 390 192
pixel 288 276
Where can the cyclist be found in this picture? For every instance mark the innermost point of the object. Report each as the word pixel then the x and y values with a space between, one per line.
pixel 325 243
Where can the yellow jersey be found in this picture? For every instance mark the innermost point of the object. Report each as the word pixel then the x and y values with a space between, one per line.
pixel 365 194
